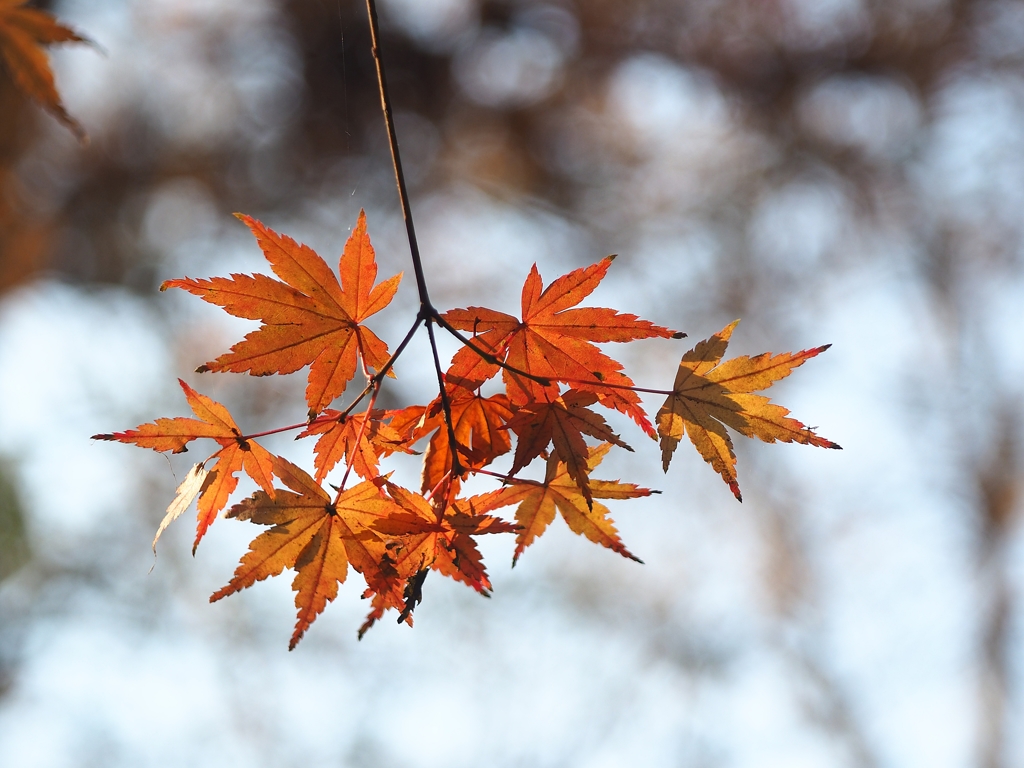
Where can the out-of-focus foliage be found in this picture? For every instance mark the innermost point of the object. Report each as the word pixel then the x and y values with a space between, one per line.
pixel 23 33
pixel 14 551
pixel 24 240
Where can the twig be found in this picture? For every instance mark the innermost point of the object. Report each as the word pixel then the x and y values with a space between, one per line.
pixel 544 382
pixel 427 312
pixel 446 405
pixel 396 157
pixel 379 376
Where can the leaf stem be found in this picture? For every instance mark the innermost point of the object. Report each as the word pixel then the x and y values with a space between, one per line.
pixel 446 406
pixel 375 379
pixel 318 420
pixel 487 355
pixel 509 479
pixel 379 376
pixel 630 387
pixel 350 460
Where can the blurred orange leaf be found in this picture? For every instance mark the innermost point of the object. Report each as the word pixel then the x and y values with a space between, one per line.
pixel 22 33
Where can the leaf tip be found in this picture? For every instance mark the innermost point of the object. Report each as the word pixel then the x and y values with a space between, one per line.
pixel 678 335
pixel 204 368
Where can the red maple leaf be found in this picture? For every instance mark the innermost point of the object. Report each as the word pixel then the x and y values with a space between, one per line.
pixel 561 423
pixel 441 541
pixel 355 439
pixel 478 424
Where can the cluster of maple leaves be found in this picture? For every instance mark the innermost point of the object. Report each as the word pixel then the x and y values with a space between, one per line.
pixel 553 374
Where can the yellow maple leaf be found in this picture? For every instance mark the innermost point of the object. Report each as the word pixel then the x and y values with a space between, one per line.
pixel 708 396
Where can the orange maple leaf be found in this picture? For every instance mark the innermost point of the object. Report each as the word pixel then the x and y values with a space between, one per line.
pixel 309 319
pixel 708 396
pixel 478 423
pixel 554 342
pixel 441 542
pixel 538 502
pixel 22 32
pixel 561 423
pixel 420 539
pixel 236 453
pixel 315 536
pixel 347 438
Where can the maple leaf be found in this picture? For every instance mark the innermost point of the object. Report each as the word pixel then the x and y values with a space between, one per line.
pixel 708 396
pixel 22 32
pixel 554 342
pixel 236 453
pixel 563 424
pixel 359 440
pixel 478 423
pixel 441 542
pixel 384 596
pixel 539 501
pixel 315 536
pixel 185 494
pixel 420 539
pixel 309 318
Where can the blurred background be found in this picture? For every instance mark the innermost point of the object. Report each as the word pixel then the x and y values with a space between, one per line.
pixel 831 171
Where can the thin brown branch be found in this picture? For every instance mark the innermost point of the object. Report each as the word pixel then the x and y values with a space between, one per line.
pixel 446 406
pixel 379 376
pixel 427 312
pixel 396 157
